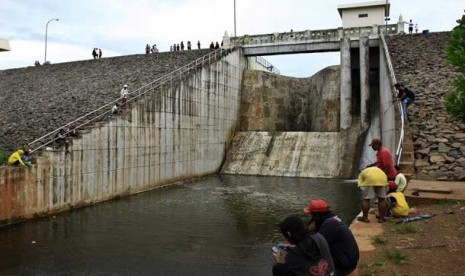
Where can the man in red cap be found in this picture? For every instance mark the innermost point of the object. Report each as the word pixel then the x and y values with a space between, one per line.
pixel 383 159
pixel 341 241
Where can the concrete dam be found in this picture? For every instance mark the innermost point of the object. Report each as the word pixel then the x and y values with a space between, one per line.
pixel 190 114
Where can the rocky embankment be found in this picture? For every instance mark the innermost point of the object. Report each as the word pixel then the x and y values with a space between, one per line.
pixel 37 100
pixel 439 140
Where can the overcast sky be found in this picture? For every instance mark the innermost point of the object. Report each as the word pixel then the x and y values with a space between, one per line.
pixel 122 27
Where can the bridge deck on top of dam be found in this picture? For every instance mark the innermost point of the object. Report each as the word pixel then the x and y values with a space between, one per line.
pixel 309 41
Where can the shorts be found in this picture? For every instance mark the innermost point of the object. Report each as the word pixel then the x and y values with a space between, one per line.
pixel 370 191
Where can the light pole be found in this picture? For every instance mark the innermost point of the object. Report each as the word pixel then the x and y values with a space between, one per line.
pixel 46 28
pixel 234 18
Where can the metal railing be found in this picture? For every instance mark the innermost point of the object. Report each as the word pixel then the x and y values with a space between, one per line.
pixel 401 107
pixel 105 110
pixel 265 63
pixel 313 35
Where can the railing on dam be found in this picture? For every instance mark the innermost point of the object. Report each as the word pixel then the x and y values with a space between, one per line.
pixel 309 36
pixel 400 106
pixel 104 111
pixel 266 64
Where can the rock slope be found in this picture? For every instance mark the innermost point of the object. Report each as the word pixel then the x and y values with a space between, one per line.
pixel 37 100
pixel 439 140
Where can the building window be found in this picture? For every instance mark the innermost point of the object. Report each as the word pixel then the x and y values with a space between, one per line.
pixel 363 15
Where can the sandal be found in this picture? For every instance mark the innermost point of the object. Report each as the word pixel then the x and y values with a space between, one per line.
pixel 362 219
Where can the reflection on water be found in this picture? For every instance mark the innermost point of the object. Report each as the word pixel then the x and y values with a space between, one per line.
pixel 218 225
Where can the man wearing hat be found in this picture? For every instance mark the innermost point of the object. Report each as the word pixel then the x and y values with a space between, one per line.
pixel 124 94
pixel 341 241
pixel 383 159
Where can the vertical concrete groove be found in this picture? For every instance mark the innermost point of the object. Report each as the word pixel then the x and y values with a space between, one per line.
pixel 346 84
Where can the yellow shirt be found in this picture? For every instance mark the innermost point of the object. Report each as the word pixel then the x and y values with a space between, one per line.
pixel 401 209
pixel 16 156
pixel 372 176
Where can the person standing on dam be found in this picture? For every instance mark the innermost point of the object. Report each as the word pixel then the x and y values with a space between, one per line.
pixel 372 181
pixel 384 159
pixel 124 94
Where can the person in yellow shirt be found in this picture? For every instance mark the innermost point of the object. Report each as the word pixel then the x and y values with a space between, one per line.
pixel 16 158
pixel 373 181
pixel 397 205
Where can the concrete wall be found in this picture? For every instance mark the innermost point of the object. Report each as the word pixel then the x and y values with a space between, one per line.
pixel 271 102
pixel 181 131
pixel 387 108
pixel 295 154
pixel 290 127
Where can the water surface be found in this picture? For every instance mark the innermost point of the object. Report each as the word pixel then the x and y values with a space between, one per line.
pixel 218 225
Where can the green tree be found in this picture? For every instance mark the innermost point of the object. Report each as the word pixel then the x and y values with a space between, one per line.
pixel 455 50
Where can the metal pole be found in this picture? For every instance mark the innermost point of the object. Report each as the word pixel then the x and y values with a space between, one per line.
pixel 46 30
pixel 234 18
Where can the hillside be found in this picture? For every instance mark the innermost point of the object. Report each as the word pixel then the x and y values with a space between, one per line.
pixel 37 100
pixel 439 141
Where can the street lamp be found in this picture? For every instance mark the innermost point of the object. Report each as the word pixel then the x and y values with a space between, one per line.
pixel 46 28
pixel 234 18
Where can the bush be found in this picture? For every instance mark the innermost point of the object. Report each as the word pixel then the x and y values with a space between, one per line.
pixel 455 101
pixel 3 156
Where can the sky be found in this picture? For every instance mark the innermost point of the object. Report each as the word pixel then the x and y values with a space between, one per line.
pixel 121 27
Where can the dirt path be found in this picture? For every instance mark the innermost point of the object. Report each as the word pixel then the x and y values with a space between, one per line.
pixel 432 246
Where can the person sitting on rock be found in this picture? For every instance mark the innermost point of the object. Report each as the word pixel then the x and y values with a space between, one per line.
pixel 27 158
pixel 16 158
pixel 341 241
pixel 114 109
pixel 306 253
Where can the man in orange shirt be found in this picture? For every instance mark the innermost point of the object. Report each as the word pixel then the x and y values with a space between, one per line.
pixel 383 159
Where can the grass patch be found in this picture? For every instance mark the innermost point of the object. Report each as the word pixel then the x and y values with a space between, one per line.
pixel 380 240
pixel 397 256
pixel 406 229
pixel 370 269
pixel 3 156
pixel 442 202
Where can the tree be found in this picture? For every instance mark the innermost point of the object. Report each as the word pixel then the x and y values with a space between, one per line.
pixel 455 50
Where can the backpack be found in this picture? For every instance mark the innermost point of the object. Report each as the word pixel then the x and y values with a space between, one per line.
pixel 310 264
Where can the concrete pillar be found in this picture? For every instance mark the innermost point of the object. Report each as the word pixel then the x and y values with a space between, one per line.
pixel 346 85
pixel 386 106
pixel 364 81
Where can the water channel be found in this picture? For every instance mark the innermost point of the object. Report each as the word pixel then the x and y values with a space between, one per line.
pixel 217 225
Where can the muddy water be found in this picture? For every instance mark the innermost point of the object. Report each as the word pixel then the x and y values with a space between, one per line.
pixel 218 225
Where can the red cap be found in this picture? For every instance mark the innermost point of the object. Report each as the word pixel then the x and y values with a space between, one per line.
pixel 316 206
